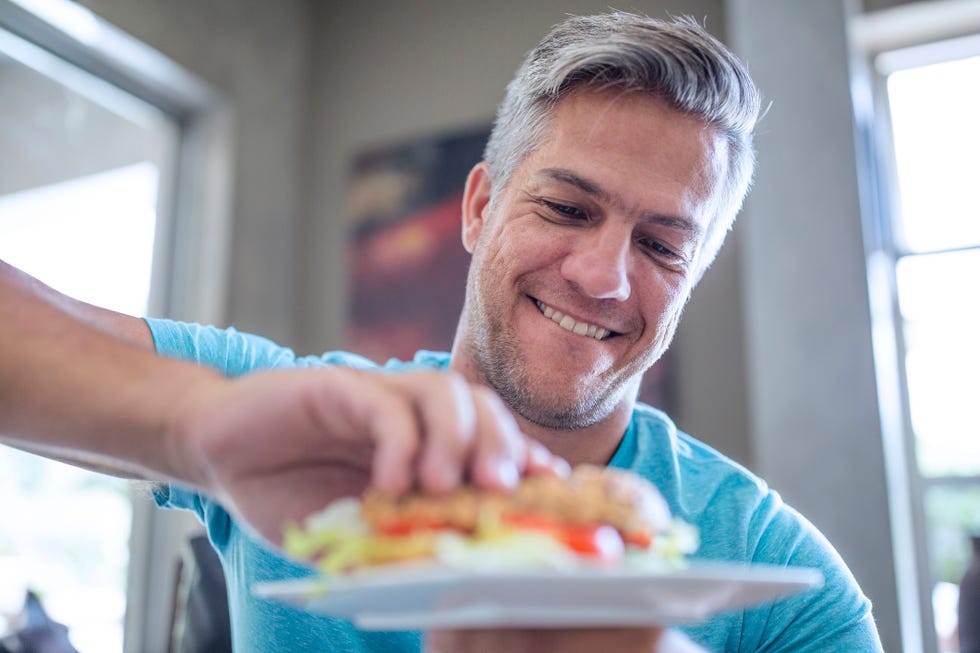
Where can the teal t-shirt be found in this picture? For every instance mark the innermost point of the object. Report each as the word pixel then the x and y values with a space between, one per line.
pixel 739 519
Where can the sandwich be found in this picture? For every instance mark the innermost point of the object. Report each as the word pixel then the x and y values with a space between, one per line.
pixel 595 516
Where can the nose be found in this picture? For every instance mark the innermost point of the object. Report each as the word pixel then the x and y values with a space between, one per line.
pixel 598 263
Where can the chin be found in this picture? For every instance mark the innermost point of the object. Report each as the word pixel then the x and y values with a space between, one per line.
pixel 567 413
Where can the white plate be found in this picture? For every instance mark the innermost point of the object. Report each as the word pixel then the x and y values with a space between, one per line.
pixel 420 597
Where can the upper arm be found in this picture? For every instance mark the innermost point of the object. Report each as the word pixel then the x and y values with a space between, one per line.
pixel 833 617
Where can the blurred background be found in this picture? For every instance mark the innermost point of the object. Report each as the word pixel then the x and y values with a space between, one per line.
pixel 205 160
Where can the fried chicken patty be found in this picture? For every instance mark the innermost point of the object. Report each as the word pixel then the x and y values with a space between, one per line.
pixel 590 495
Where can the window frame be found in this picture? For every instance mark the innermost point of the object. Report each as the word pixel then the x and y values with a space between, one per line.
pixel 882 43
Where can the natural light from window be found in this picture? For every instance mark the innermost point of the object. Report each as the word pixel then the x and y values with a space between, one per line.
pixel 936 245
pixel 66 531
pixel 934 110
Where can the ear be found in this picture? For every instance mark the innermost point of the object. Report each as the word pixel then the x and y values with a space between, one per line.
pixel 476 200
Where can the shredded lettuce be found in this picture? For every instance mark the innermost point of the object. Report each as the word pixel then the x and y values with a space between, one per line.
pixel 506 550
pixel 669 549
pixel 338 539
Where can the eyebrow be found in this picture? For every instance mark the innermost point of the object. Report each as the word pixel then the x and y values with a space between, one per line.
pixel 591 188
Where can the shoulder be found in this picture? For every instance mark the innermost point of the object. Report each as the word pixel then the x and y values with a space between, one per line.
pixel 423 360
pixel 741 519
pixel 233 352
pixel 694 473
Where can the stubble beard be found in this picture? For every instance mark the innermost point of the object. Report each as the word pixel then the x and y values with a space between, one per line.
pixel 503 367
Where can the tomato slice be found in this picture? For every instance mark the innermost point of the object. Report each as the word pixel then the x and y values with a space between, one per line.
pixel 408 525
pixel 599 541
pixel 639 539
pixel 530 520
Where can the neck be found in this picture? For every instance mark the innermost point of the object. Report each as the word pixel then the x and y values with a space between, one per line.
pixel 594 445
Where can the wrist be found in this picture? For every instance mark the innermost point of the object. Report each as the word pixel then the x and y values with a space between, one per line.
pixel 183 423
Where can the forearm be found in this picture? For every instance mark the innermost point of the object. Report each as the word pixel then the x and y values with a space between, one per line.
pixel 71 391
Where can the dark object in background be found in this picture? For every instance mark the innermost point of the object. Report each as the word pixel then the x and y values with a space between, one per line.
pixel 969 607
pixel 201 621
pixel 39 634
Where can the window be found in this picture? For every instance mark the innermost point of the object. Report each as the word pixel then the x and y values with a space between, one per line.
pixel 936 247
pixel 925 273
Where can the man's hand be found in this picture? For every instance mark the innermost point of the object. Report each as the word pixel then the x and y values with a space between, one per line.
pixel 275 446
pixel 570 640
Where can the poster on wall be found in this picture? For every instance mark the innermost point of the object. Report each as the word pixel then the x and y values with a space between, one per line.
pixel 406 260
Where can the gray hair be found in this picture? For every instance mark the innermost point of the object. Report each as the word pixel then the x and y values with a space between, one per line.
pixel 678 61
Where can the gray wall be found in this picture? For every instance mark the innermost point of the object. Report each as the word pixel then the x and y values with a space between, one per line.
pixel 774 351
pixel 812 399
pixel 256 54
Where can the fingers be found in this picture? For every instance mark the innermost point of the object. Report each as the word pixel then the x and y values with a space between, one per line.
pixel 392 424
pixel 423 425
pixel 541 461
pixel 433 430
pixel 500 455
pixel 448 430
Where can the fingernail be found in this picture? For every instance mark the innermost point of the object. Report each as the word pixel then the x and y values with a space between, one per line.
pixel 539 455
pixel 507 473
pixel 562 468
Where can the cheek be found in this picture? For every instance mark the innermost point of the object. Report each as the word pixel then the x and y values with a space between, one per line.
pixel 519 247
pixel 677 295
pixel 664 302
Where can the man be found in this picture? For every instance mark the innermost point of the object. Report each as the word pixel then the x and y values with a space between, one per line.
pixel 617 163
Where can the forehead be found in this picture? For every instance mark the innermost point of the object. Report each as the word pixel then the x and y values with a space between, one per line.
pixel 635 147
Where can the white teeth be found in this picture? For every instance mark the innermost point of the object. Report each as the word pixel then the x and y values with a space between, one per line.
pixel 569 324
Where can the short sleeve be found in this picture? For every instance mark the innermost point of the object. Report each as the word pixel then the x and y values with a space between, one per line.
pixel 234 353
pixel 228 351
pixel 834 618
pixel 214 518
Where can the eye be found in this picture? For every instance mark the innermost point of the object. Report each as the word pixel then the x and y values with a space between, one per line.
pixel 661 252
pixel 658 248
pixel 564 210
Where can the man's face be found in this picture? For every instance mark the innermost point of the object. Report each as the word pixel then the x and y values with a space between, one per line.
pixel 582 265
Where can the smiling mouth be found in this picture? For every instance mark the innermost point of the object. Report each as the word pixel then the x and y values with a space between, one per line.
pixel 570 324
